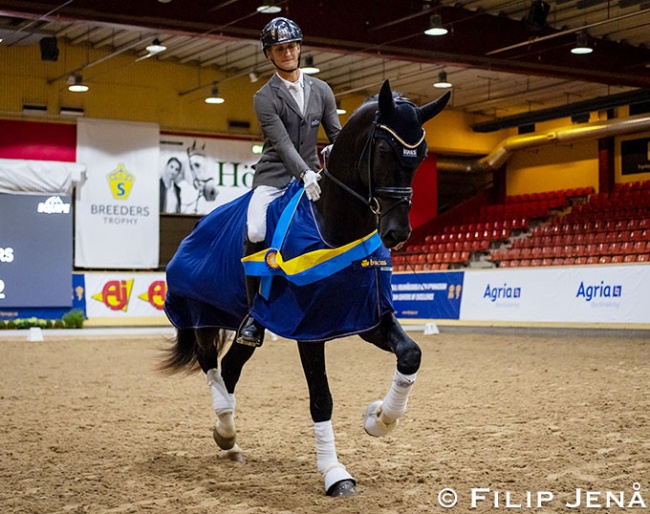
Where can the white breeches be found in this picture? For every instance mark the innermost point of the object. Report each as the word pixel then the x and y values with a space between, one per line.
pixel 256 216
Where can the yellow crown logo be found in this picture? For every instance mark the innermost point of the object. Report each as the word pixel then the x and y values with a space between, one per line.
pixel 121 182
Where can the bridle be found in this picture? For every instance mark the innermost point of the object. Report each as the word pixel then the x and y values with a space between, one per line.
pixel 400 195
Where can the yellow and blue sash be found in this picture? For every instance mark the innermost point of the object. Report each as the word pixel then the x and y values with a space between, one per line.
pixel 305 268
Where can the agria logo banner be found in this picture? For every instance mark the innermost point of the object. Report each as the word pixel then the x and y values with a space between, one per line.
pixel 118 295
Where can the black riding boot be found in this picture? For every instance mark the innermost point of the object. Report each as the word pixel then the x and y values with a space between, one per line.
pixel 251 332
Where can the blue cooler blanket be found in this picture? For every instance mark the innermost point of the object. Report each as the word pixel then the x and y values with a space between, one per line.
pixel 310 291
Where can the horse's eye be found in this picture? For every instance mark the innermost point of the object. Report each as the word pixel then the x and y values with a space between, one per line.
pixel 384 148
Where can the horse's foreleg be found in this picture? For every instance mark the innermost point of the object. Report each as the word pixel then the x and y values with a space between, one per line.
pixel 338 482
pixel 381 416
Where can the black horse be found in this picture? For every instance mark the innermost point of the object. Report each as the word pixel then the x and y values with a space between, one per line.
pixel 363 211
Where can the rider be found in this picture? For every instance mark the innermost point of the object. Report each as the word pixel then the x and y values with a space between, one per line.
pixel 290 107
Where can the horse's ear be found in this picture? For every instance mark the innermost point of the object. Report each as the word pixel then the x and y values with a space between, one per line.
pixel 429 110
pixel 386 101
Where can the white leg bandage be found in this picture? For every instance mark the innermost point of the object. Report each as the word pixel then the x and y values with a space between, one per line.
pixel 326 460
pixel 222 401
pixel 325 448
pixel 394 404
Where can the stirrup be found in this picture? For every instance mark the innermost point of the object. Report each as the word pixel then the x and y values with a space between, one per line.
pixel 250 332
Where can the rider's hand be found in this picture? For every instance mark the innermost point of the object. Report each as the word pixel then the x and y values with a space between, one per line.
pixel 325 152
pixel 312 189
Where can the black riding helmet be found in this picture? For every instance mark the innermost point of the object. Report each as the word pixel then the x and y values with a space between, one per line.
pixel 278 31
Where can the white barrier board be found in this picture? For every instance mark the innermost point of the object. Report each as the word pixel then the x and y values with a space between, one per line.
pixel 572 294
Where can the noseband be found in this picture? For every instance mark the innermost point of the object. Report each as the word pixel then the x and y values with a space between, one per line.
pixel 400 195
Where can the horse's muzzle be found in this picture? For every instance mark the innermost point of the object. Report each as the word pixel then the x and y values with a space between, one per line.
pixel 394 237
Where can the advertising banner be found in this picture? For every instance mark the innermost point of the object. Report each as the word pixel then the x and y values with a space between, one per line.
pixel 116 215
pixel 35 251
pixel 575 294
pixel 198 174
pixel 427 295
pixel 125 295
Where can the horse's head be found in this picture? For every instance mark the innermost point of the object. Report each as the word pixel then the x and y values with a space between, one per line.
pixel 202 181
pixel 393 148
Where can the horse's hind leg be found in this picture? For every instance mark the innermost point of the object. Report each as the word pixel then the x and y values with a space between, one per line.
pixel 222 388
pixel 381 416
pixel 338 482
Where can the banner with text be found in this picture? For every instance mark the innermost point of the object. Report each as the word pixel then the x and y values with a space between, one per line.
pixel 116 213
pixel 567 294
pixel 198 174
pixel 427 295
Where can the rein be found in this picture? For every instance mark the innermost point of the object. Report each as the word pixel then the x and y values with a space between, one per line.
pixel 400 194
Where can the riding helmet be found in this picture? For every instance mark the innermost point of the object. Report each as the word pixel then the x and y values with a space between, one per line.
pixel 280 30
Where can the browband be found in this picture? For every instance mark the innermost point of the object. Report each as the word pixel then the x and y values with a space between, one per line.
pixel 400 140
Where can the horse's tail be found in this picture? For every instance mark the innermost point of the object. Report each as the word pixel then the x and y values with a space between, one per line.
pixel 182 354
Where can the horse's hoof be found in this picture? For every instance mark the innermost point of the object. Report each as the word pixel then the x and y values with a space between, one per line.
pixel 342 488
pixel 235 454
pixel 372 422
pixel 225 443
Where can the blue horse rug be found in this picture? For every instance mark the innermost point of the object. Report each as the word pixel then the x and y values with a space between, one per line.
pixel 310 291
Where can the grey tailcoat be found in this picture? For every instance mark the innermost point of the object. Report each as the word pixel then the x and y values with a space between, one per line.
pixel 291 138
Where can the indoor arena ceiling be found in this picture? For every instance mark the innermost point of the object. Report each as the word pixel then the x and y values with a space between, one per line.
pixel 504 58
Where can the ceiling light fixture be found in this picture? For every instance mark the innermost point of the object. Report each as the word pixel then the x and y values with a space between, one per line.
pixel 254 77
pixel 214 97
pixel 339 109
pixel 309 67
pixel 435 26
pixel 156 47
pixel 442 83
pixel 269 7
pixel 582 45
pixel 76 85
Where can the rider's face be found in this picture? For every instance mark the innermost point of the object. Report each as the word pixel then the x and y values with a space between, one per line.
pixel 285 55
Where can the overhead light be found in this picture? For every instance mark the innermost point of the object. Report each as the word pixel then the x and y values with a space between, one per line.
pixel 156 47
pixel 257 148
pixel 339 109
pixel 214 97
pixel 254 77
pixel 76 85
pixel 164 1
pixel 435 26
pixel 582 45
pixel 442 83
pixel 269 7
pixel 309 67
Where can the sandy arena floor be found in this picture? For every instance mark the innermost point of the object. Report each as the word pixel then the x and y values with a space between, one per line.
pixel 87 425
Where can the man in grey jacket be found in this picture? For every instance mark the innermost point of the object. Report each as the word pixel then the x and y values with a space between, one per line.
pixel 290 108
